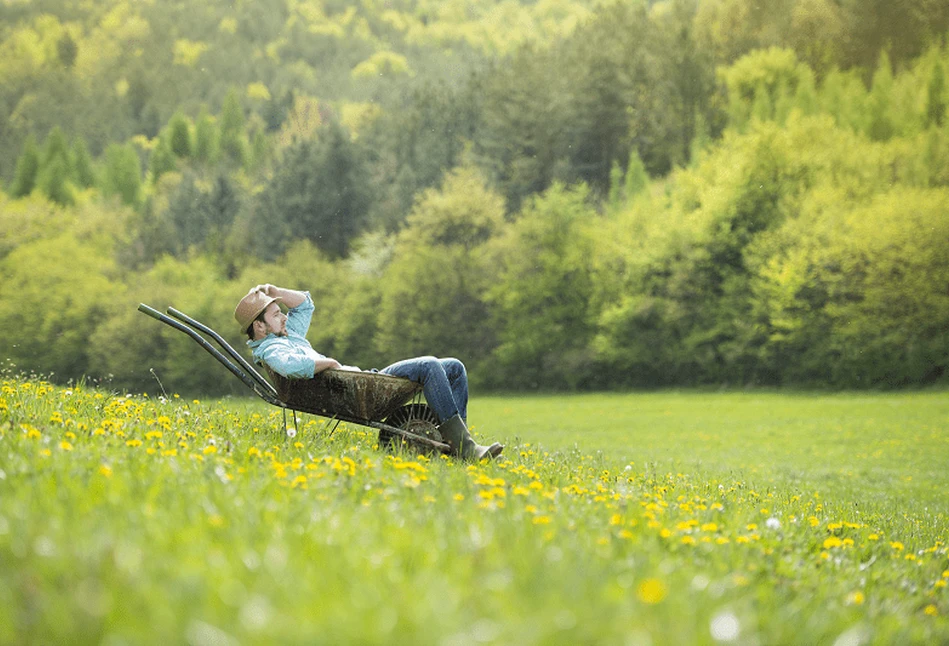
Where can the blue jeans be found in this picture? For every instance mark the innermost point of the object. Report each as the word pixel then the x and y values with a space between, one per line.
pixel 444 383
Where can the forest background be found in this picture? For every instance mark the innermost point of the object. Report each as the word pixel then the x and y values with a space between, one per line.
pixel 565 194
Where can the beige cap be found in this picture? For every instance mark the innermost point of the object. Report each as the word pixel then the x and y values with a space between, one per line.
pixel 251 306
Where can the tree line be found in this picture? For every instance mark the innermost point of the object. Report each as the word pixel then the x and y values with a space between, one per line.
pixel 631 205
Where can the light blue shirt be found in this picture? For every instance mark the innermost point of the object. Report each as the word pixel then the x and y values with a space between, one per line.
pixel 292 356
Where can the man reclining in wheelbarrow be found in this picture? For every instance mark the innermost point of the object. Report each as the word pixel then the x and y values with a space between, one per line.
pixel 279 341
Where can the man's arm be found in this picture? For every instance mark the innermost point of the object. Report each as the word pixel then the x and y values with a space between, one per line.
pixel 291 297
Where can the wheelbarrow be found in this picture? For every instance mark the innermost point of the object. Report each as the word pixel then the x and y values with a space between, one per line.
pixel 391 405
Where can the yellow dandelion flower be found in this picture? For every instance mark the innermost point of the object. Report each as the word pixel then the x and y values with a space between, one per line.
pixel 832 542
pixel 665 532
pixel 931 610
pixel 541 520
pixel 209 449
pixel 105 470
pixel 152 435
pixel 459 497
pixel 814 522
pixel 873 537
pixel 856 598
pixel 945 574
pixel 65 446
pixel 751 527
pixel 688 540
pixel 651 591
pixel 896 545
pixel 709 527
pixel 133 443
pixel 941 583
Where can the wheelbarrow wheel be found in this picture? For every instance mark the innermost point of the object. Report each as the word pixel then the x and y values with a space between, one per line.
pixel 415 418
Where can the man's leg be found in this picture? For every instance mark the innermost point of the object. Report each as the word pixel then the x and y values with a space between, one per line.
pixel 444 382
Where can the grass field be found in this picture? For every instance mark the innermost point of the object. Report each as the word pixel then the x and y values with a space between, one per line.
pixel 665 518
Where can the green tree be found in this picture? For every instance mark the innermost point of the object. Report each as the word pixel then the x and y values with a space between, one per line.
pixel 233 139
pixel 76 297
pixel 122 174
pixel 83 169
pixel 936 96
pixel 881 125
pixel 161 160
pixel 55 171
pixel 431 292
pixel 205 138
pixel 179 136
pixel 319 192
pixel 27 167
pixel 541 294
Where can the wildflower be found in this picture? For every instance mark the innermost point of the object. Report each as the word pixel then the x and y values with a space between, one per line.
pixel 459 497
pixel 65 446
pixel 651 591
pixel 709 527
pixel 896 545
pixel 541 520
pixel 931 610
pixel 209 449
pixel 106 470
pixel 855 598
pixel 133 443
pixel 832 542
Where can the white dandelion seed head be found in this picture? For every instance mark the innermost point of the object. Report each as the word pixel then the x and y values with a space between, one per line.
pixel 725 627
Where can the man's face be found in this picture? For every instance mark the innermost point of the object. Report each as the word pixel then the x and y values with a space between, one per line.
pixel 275 322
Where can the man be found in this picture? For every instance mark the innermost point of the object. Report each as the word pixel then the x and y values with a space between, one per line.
pixel 279 340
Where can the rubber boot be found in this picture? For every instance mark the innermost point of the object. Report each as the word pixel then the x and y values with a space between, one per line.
pixel 456 434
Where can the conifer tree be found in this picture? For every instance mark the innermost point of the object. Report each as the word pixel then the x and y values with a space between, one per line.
pixel 83 172
pixel 55 169
pixel 936 96
pixel 179 136
pixel 123 174
pixel 205 138
pixel 27 167
pixel 233 139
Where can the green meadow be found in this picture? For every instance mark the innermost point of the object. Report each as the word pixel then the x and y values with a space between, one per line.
pixel 656 518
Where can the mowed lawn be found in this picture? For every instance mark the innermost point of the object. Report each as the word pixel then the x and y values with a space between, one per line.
pixel 660 518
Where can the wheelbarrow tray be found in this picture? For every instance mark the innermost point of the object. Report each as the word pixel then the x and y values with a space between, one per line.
pixel 346 394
